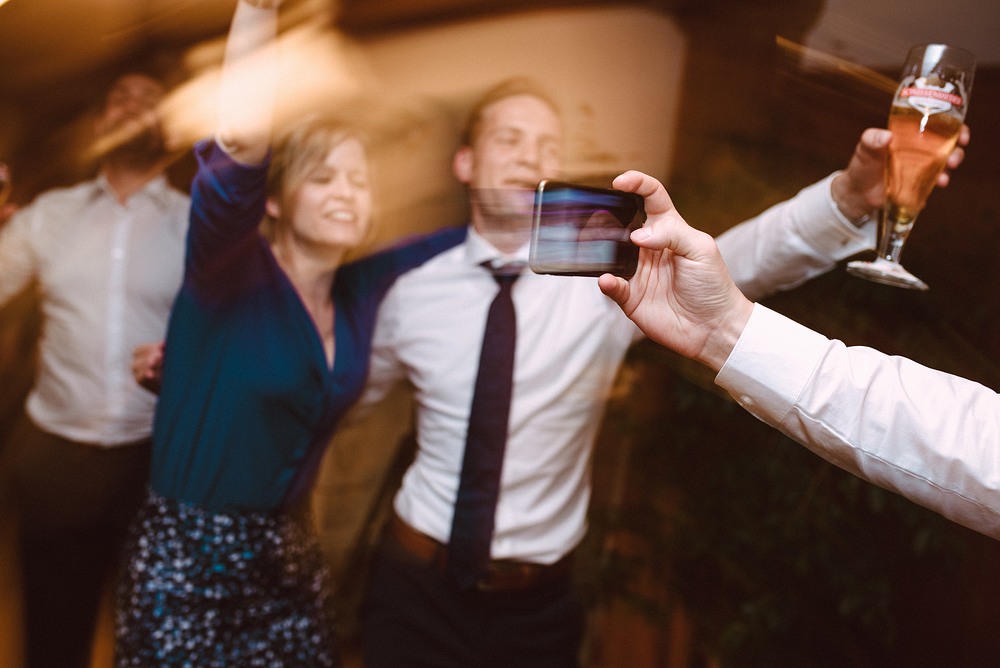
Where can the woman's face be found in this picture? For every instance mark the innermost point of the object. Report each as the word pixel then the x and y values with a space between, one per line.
pixel 333 206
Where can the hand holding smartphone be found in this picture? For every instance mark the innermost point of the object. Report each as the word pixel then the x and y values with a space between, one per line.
pixel 584 231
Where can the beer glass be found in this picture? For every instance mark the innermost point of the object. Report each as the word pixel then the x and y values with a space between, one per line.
pixel 927 113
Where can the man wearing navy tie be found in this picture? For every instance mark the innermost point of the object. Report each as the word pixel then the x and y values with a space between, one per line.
pixel 433 600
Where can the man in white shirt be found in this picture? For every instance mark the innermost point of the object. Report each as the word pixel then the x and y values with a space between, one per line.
pixel 570 343
pixel 930 436
pixel 107 255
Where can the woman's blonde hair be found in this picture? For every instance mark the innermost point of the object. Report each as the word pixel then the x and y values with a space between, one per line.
pixel 299 151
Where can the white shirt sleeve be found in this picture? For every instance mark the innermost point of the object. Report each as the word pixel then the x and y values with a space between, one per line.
pixel 17 260
pixel 925 434
pixel 792 242
pixel 385 369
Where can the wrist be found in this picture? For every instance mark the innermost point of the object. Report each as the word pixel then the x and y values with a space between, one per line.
pixel 852 205
pixel 720 343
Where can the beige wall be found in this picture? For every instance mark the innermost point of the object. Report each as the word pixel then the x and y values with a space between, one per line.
pixel 615 72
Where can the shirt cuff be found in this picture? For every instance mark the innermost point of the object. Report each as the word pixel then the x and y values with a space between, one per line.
pixel 826 229
pixel 771 363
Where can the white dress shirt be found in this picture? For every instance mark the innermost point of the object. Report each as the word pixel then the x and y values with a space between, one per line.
pixel 107 273
pixel 792 242
pixel 930 436
pixel 571 340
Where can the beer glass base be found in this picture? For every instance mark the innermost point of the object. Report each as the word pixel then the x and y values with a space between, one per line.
pixel 886 272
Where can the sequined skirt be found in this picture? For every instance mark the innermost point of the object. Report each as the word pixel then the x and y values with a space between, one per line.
pixel 244 588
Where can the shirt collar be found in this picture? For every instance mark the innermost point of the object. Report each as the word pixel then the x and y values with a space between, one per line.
pixel 157 189
pixel 478 251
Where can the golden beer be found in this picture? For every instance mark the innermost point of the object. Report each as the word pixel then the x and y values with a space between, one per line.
pixel 918 151
pixel 925 119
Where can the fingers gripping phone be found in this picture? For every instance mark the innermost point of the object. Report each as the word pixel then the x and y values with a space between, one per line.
pixel 584 231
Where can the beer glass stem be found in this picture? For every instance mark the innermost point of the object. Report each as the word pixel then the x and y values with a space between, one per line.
pixel 893 236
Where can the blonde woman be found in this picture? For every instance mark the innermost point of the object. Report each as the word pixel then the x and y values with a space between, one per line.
pixel 267 348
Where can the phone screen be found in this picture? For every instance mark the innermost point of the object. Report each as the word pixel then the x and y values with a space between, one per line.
pixel 584 231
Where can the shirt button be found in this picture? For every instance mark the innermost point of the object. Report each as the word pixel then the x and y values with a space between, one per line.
pixel 746 401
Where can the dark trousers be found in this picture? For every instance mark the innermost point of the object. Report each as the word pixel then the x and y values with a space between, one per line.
pixel 415 616
pixel 74 503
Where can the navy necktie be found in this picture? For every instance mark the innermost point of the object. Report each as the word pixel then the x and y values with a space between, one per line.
pixel 479 485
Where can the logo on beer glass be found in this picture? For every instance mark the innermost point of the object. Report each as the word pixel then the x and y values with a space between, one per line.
pixel 929 99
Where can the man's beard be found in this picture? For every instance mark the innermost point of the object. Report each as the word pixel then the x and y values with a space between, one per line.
pixel 142 149
pixel 132 145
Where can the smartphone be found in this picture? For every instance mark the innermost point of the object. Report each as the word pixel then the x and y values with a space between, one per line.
pixel 584 231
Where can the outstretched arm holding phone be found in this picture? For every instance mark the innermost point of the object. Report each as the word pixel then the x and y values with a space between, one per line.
pixel 928 435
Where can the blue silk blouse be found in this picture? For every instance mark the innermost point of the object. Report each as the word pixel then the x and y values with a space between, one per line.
pixel 248 402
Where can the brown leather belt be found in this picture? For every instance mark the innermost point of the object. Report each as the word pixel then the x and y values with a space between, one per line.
pixel 502 575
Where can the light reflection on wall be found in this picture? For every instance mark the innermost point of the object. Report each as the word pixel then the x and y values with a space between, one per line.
pixel 878 34
pixel 317 70
pixel 615 72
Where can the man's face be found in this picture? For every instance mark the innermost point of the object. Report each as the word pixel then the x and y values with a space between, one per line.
pixel 517 145
pixel 129 121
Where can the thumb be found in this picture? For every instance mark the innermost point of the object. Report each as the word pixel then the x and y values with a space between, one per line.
pixel 615 287
pixel 876 139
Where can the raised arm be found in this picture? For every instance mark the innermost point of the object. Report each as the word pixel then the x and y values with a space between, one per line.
pixel 827 222
pixel 247 86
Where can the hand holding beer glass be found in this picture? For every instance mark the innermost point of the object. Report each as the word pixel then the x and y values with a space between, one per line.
pixel 926 116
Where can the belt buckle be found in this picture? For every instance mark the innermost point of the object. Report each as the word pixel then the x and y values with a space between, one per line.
pixel 503 576
pixel 483 585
